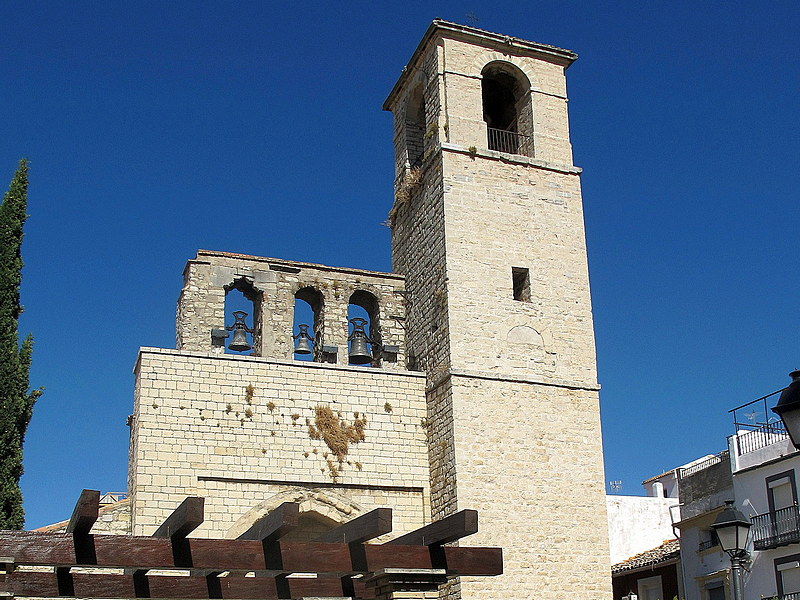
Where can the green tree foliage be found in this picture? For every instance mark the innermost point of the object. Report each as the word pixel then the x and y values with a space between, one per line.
pixel 16 401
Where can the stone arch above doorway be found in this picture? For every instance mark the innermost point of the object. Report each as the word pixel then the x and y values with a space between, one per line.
pixel 320 509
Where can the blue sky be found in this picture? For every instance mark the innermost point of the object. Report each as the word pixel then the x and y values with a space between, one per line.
pixel 156 129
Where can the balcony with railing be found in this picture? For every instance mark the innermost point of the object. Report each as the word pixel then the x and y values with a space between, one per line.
pixel 777 528
pixel 684 472
pixel 708 544
pixel 756 426
pixel 510 142
pixel 792 596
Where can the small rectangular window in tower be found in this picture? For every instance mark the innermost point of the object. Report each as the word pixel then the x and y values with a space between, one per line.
pixel 522 284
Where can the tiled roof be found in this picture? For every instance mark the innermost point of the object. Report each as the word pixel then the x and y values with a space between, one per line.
pixel 659 476
pixel 667 551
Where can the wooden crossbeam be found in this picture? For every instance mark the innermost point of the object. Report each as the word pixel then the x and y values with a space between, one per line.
pixel 449 529
pixel 183 520
pixel 275 524
pixel 42 548
pixel 87 508
pixel 361 529
pixel 106 585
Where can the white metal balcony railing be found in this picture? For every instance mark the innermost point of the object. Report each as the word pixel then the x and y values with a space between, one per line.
pixel 790 596
pixel 777 528
pixel 759 428
pixel 692 469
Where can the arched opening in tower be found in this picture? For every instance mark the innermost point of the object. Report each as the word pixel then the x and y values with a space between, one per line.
pixel 507 108
pixel 415 127
pixel 363 315
pixel 243 307
pixel 308 311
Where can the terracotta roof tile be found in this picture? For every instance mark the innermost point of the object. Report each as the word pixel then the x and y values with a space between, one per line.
pixel 667 551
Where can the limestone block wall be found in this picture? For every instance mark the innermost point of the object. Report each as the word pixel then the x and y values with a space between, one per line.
pixel 199 429
pixel 518 216
pixel 418 241
pixel 528 460
pixel 461 67
pixel 512 394
pixel 273 283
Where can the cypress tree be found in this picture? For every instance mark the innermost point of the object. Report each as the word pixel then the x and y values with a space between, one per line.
pixel 16 401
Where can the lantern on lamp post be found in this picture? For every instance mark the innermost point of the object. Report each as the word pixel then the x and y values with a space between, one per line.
pixel 788 408
pixel 732 529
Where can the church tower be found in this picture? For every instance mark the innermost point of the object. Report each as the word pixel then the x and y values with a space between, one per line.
pixel 487 227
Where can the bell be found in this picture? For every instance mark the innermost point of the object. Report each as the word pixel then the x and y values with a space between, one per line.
pixel 303 340
pixel 303 346
pixel 240 330
pixel 239 343
pixel 359 353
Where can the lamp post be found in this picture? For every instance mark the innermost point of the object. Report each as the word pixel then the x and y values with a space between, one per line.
pixel 788 408
pixel 732 529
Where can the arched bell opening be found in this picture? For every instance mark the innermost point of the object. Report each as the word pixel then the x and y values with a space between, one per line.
pixel 415 127
pixel 507 110
pixel 364 331
pixel 307 326
pixel 243 318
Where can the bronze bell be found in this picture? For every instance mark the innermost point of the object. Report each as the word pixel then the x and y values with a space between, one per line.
pixel 304 341
pixel 240 331
pixel 359 353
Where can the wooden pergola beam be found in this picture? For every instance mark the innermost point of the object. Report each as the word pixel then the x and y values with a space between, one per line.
pixel 183 520
pixel 361 529
pixel 58 550
pixel 449 529
pixel 106 585
pixel 275 524
pixel 85 514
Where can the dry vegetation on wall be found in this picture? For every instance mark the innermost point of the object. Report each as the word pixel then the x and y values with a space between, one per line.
pixel 337 434
pixel 412 178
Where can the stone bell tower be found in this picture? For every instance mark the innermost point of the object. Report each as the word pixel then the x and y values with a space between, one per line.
pixel 488 230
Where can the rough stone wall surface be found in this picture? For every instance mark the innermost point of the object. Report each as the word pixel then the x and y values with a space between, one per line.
pixel 528 460
pixel 461 68
pixel 199 433
pixel 500 215
pixel 419 252
pixel 113 519
pixel 705 484
pixel 275 282
pixel 512 393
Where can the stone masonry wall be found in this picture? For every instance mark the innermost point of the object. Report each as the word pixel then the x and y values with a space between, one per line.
pixel 513 400
pixel 201 306
pixel 112 519
pixel 528 460
pixel 461 68
pixel 200 432
pixel 518 216
pixel 419 252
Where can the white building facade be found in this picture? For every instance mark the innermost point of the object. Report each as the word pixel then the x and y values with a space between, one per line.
pixel 759 472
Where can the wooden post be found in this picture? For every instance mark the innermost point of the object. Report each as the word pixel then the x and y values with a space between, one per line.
pixel 407 584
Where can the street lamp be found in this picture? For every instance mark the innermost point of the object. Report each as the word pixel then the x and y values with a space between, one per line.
pixel 732 528
pixel 788 408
